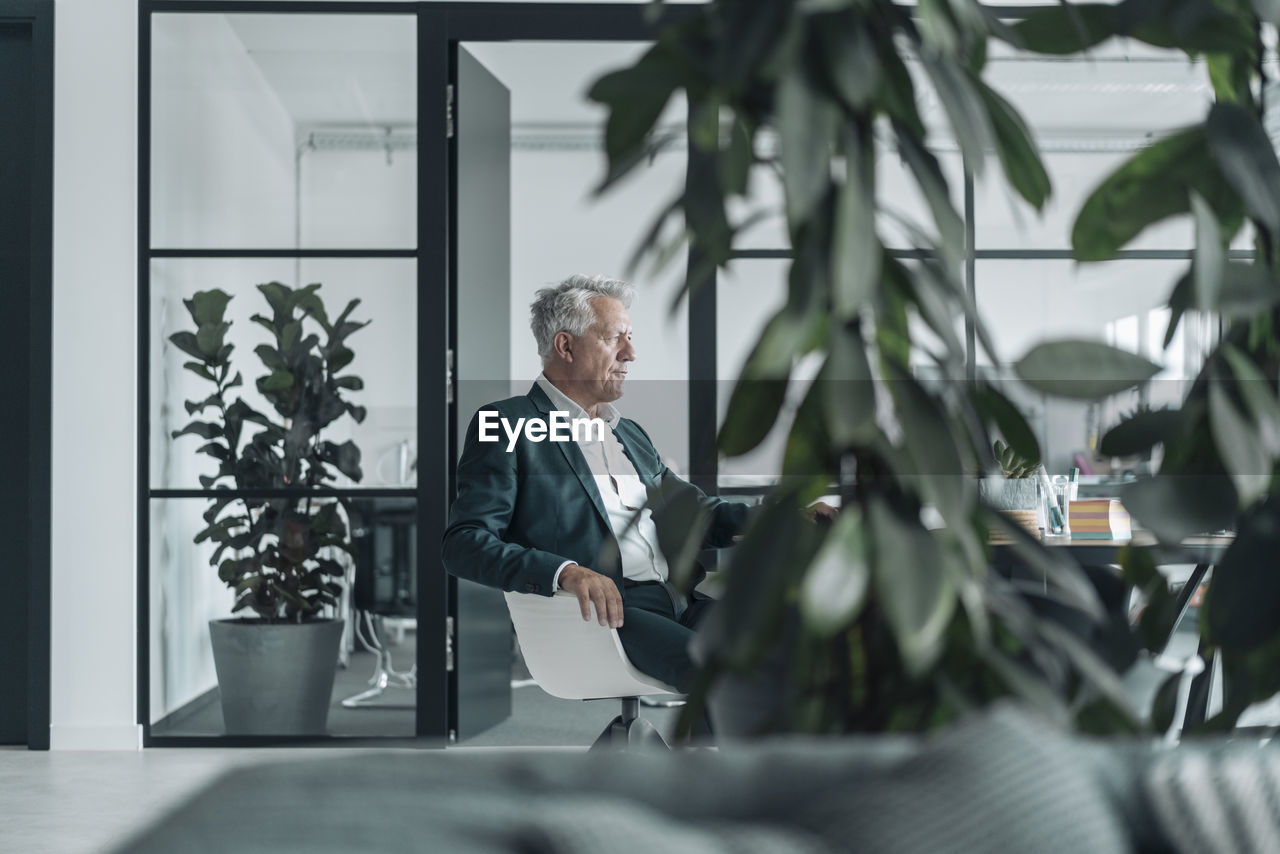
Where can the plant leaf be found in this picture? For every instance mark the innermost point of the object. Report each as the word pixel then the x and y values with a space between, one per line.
pixel 776 548
pixel 1068 582
pixel 912 585
pixel 835 586
pixel 1161 612
pixel 1174 507
pixel 850 57
pixel 350 382
pixel 1259 396
pixel 1207 266
pixel 203 429
pixel 345 457
pixel 1247 290
pixel 200 370
pixel 998 409
pixel 208 307
pixel 1140 432
pixel 759 392
pixel 188 343
pixel 966 112
pixel 1239 446
pixel 735 161
pixel 1082 369
pixel 1244 598
pixel 1149 187
pixel 936 458
pixel 848 391
pixel 933 185
pixel 1066 28
pixel 897 96
pixel 194 407
pixel 1244 154
pixel 277 381
pixel 1179 304
pixel 636 97
pixel 856 249
pixel 806 126
pixel 209 338
pixel 1016 148
pixel 271 357
pixel 753 408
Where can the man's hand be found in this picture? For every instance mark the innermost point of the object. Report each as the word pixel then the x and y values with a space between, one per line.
pixel 592 588
pixel 821 513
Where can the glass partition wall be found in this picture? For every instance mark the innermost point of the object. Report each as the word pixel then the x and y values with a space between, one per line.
pixel 280 145
pixel 1088 115
pixel 282 155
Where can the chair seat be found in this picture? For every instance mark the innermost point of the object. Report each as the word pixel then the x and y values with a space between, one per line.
pixel 572 658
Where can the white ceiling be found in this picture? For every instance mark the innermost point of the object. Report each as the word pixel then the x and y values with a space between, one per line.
pixel 336 69
pixel 361 70
pixel 549 80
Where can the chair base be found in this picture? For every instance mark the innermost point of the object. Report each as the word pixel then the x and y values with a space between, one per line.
pixel 628 731
pixel 637 734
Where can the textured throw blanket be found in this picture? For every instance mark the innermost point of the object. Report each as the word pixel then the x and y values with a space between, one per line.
pixel 1001 782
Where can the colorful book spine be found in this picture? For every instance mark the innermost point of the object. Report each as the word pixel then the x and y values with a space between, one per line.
pixel 1099 519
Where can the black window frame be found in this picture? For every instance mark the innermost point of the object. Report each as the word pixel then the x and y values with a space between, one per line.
pixel 39 17
pixel 441 27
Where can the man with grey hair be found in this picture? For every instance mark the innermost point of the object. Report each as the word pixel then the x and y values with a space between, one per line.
pixel 584 514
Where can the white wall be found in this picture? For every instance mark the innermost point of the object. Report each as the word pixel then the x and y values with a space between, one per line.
pixel 222 175
pixel 94 470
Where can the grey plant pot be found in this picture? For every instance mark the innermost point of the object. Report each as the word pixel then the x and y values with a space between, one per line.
pixel 1004 493
pixel 275 678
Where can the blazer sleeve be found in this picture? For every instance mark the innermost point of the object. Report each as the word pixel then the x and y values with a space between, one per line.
pixel 478 544
pixel 728 518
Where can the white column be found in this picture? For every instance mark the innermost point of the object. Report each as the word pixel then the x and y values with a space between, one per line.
pixel 92 517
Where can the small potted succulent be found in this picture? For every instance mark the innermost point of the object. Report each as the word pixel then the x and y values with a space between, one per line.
pixel 1015 491
pixel 277 551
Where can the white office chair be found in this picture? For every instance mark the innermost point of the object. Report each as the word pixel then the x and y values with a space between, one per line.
pixel 574 659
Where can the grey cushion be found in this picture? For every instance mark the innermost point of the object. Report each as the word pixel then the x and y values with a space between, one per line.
pixel 1002 781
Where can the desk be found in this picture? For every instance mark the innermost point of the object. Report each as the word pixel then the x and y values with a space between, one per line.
pixel 1203 551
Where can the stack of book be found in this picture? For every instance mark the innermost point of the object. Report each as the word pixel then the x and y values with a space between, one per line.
pixel 1099 519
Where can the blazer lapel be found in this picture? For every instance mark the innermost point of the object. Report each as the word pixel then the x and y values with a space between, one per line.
pixel 573 456
pixel 629 441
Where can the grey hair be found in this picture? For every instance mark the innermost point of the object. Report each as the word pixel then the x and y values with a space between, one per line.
pixel 567 307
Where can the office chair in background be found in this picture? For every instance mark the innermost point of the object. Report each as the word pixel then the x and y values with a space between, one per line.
pixel 574 659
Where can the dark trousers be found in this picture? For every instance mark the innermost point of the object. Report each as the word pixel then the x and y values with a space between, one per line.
pixel 655 639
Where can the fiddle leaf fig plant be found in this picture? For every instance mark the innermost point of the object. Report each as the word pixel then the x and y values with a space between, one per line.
pixel 275 553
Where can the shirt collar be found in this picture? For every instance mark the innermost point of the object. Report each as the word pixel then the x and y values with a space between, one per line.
pixel 559 400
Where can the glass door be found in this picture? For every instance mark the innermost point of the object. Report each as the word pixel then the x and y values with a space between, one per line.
pixel 282 198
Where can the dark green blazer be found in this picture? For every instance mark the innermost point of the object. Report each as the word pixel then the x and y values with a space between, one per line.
pixel 520 514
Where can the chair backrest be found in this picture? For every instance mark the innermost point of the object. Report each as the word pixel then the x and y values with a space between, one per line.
pixel 570 657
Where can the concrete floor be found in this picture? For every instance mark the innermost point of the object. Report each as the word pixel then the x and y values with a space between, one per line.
pixel 83 802
pixel 72 802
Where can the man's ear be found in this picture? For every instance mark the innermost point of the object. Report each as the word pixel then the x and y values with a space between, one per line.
pixel 562 345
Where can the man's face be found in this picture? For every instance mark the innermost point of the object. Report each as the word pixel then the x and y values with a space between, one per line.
pixel 601 354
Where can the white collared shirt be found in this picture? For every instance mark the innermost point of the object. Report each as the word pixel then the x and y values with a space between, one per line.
pixel 621 491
